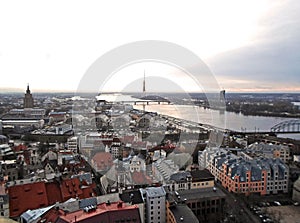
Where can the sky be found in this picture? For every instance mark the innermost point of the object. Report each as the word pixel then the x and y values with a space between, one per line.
pixel 250 45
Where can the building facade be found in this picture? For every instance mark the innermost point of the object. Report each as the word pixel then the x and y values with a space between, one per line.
pixel 155 202
pixel 206 203
pixel 28 99
pixel 263 176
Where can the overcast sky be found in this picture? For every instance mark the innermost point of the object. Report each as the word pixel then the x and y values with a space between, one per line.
pixel 249 45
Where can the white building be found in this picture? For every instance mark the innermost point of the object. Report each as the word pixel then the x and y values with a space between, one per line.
pixel 137 164
pixel 73 143
pixel 155 198
pixel 207 155
pixel 115 148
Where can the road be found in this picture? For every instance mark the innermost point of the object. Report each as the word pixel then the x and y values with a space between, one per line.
pixel 238 208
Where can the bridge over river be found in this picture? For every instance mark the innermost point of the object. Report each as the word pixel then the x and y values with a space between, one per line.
pixel 285 127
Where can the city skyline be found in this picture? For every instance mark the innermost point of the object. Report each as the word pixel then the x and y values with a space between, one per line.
pixel 249 47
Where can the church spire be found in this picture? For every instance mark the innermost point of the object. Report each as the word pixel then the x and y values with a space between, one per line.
pixel 28 90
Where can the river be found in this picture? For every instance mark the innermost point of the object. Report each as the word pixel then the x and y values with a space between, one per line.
pixel 226 120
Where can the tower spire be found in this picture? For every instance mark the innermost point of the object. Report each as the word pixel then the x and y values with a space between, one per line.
pixel 144 89
pixel 28 99
pixel 28 90
pixel 144 83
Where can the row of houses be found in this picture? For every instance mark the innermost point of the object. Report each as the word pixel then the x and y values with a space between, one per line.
pixel 245 176
pixel 148 205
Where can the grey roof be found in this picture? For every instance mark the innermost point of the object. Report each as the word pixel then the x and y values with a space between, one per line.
pixel 239 167
pixel 134 197
pixel 70 205
pixel 32 215
pixel 201 175
pixel 183 213
pixel 87 202
pixel 180 176
pixel 265 147
pixel 114 197
pixel 85 176
pixel 155 192
pixel 194 194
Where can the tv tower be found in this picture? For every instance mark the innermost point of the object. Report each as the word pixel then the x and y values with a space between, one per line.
pixel 144 84
pixel 144 90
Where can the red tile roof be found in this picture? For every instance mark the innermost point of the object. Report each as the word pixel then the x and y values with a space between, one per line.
pixel 54 194
pixel 40 194
pixel 104 213
pixel 70 188
pixel 51 216
pixel 167 148
pixel 20 147
pixel 26 196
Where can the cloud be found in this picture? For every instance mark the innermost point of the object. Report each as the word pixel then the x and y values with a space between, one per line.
pixel 272 60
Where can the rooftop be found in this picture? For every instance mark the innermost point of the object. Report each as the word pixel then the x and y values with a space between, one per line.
pixel 183 213
pixel 201 175
pixel 134 197
pixel 155 192
pixel 105 212
pixel 200 193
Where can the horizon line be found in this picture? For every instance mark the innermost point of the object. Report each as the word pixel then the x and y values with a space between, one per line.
pixel 19 91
